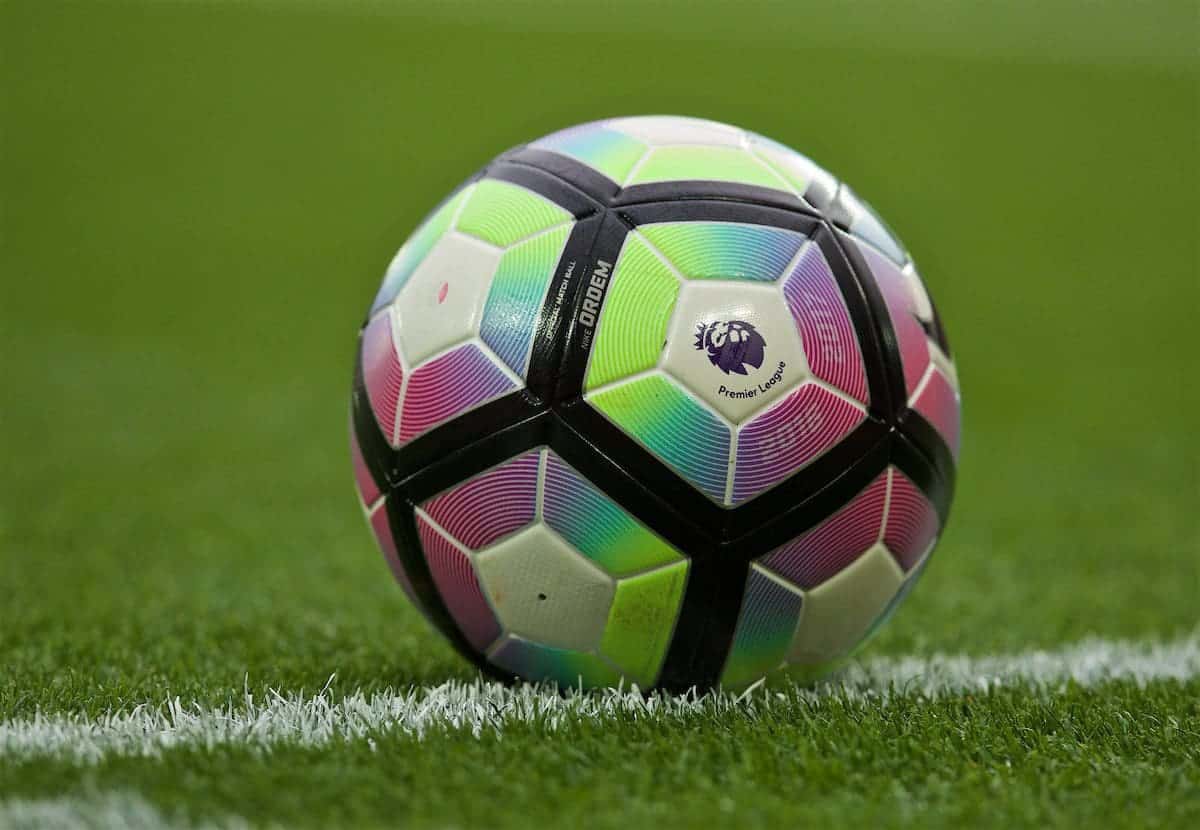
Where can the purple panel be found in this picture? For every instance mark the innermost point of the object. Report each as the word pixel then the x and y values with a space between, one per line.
pixel 764 631
pixel 456 582
pixel 912 523
pixel 939 403
pixel 830 341
pixel 447 386
pixel 818 554
pixel 382 373
pixel 788 436
pixel 910 334
pixel 494 504
pixel 387 543
pixel 368 492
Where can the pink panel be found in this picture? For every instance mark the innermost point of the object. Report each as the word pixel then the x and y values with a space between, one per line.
pixel 789 435
pixel 491 505
pixel 459 587
pixel 910 335
pixel 368 492
pixel 387 543
pixel 820 553
pixel 830 342
pixel 447 386
pixel 912 523
pixel 939 403
pixel 382 373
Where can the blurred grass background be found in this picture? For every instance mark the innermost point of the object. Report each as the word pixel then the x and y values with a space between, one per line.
pixel 198 200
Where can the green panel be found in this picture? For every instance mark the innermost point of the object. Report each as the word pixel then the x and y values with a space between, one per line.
pixel 416 248
pixel 611 152
pixel 597 527
pixel 673 426
pixel 642 620
pixel 725 250
pixel 789 172
pixel 503 213
pixel 870 226
pixel 724 164
pixel 633 322
pixel 516 296
pixel 569 669
pixel 766 626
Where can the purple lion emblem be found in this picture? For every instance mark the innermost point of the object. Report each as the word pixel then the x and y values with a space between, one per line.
pixel 732 345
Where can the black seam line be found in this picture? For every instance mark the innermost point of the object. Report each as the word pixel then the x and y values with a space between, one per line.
pixel 472 428
pixel 653 506
pixel 688 190
pixel 582 177
pixel 636 463
pixel 665 192
pixel 405 469
pixel 647 505
pixel 626 220
pixel 816 506
pixel 409 461
pixel 497 432
pixel 720 519
pixel 619 466
pixel 711 605
pixel 402 523
pixel 910 425
pixel 881 329
pixel 940 335
pixel 936 487
pixel 862 317
pixel 925 436
pixel 720 210
pixel 372 445
pixel 573 359
pixel 402 519
pixel 548 186
pixel 551 365
pixel 927 443
pixel 705 625
pixel 503 445
pixel 600 202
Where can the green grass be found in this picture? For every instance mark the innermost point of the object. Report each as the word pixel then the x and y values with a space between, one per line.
pixel 198 202
pixel 1082 758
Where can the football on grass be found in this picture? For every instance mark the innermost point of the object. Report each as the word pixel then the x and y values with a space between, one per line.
pixel 654 401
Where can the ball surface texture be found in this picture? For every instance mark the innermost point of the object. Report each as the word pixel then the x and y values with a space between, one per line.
pixel 654 401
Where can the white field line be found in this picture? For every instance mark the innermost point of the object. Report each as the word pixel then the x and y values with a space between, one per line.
pixel 108 811
pixel 298 719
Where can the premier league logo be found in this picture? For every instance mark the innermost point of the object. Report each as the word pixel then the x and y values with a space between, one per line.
pixel 732 345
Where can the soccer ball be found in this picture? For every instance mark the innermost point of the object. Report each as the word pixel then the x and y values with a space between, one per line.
pixel 654 401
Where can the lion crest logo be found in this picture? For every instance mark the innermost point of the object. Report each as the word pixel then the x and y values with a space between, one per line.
pixel 731 345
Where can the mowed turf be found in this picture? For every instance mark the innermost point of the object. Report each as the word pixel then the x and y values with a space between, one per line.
pixel 197 204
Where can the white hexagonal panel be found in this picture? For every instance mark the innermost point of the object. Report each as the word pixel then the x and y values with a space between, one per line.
pixel 442 302
pixel 662 130
pixel 735 345
pixel 544 591
pixel 837 614
pixel 801 172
